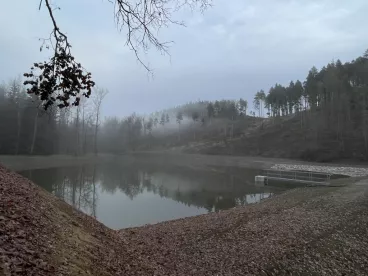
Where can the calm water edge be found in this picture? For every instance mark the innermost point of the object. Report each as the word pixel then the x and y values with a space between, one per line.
pixel 122 196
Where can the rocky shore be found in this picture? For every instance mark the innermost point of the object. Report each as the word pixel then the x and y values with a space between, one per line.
pixel 348 171
pixel 306 231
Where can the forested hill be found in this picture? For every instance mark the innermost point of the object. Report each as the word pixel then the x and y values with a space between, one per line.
pixel 323 117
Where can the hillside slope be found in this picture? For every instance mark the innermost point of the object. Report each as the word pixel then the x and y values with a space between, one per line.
pixel 290 137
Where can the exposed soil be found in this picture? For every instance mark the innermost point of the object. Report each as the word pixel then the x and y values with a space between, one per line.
pixel 307 231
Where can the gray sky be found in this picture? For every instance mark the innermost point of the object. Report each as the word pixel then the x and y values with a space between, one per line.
pixel 231 51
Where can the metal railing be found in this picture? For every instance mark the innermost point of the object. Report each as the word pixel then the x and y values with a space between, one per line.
pixel 298 176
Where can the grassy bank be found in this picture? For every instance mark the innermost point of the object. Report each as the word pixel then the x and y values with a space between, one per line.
pixel 320 231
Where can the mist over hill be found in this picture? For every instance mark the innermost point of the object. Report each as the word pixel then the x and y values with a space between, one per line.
pixel 322 118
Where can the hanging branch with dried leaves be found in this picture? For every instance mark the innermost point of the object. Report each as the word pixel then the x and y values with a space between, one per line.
pixel 63 81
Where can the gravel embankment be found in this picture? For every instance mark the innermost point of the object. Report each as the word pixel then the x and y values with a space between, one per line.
pixel 308 231
pixel 42 235
pixel 348 171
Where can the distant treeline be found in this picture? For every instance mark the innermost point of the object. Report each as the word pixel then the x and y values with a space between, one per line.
pixel 334 100
pixel 26 128
pixel 337 94
pixel 173 126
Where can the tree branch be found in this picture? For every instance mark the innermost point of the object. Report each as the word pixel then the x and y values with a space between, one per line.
pixel 62 78
pixel 148 16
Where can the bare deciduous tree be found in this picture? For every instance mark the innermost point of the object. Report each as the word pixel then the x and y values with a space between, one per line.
pixel 63 81
pixel 99 95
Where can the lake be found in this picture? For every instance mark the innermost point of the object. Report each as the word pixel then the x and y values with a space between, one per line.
pixel 121 195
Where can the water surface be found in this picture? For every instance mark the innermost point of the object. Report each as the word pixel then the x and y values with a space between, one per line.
pixel 121 195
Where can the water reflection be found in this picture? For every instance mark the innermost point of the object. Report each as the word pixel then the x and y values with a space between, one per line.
pixel 131 195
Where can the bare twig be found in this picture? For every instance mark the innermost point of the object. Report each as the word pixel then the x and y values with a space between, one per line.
pixel 146 17
pixel 62 78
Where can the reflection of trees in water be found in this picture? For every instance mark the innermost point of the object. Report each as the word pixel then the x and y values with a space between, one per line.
pixel 195 188
pixel 131 182
pixel 79 188
pixel 75 185
pixel 214 202
pixel 214 192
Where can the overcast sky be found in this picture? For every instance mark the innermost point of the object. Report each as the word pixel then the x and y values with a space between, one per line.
pixel 232 50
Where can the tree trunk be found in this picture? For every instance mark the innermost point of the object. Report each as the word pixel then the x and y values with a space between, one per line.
pixel 83 133
pixel 34 132
pixel 96 130
pixel 77 133
pixel 74 191
pixel 18 130
pixel 301 119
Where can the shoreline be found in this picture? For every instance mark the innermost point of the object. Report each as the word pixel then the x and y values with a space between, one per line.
pixel 22 162
pixel 194 161
pixel 291 233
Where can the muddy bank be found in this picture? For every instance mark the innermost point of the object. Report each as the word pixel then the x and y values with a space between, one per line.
pixel 306 231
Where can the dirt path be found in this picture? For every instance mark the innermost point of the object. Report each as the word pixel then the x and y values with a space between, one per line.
pixel 308 231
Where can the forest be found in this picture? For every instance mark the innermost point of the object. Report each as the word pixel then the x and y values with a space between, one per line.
pixel 28 129
pixel 330 105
